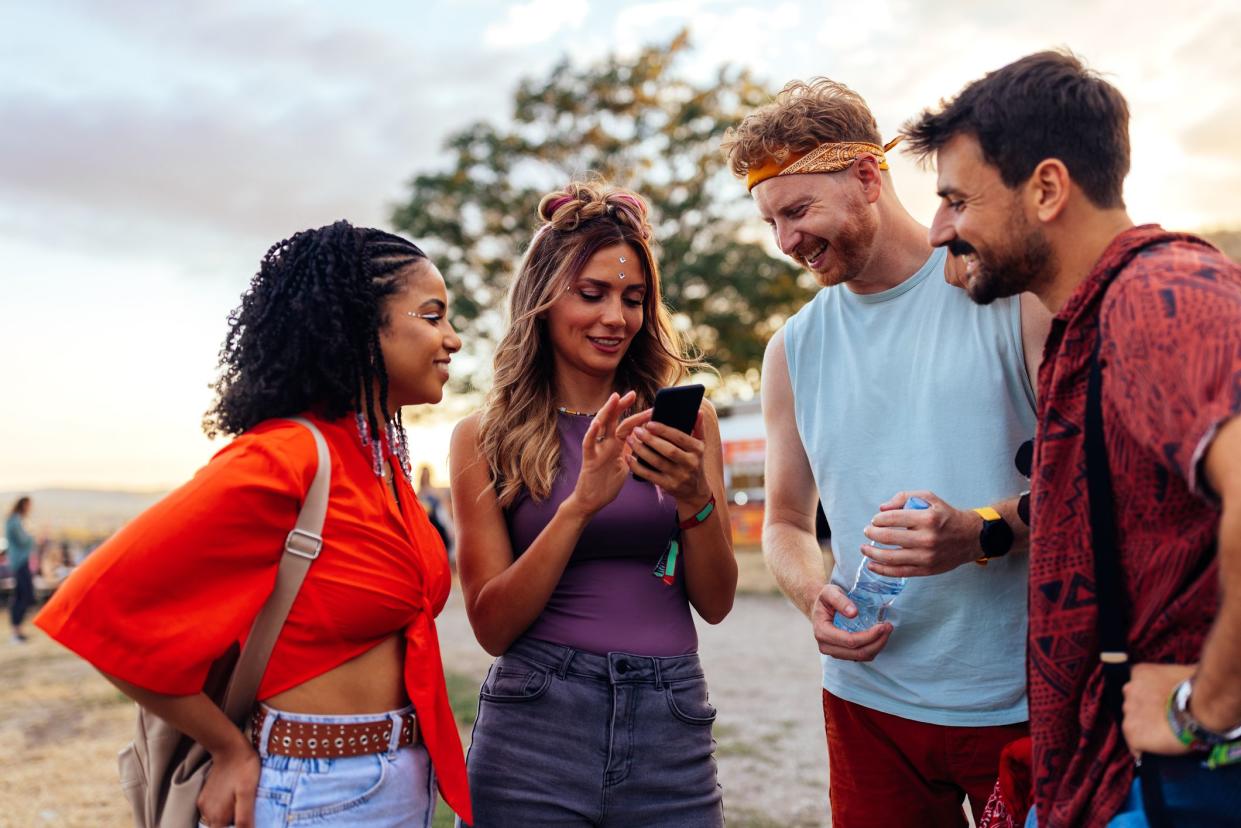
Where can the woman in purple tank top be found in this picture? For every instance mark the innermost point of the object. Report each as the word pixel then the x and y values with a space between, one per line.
pixel 596 711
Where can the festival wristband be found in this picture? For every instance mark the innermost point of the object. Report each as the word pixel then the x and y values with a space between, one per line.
pixel 1225 754
pixel 699 517
pixel 666 569
pixel 1188 731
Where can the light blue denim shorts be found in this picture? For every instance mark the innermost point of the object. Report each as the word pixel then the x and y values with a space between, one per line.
pixel 392 788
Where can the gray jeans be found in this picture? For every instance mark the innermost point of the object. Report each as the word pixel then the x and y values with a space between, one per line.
pixel 567 738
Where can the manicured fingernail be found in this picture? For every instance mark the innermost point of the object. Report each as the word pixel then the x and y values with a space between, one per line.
pixel 640 431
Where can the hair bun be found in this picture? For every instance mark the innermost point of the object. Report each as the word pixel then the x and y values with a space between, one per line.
pixel 629 208
pixel 566 209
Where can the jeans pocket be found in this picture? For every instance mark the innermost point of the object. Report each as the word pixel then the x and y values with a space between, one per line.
pixel 514 680
pixel 340 785
pixel 688 702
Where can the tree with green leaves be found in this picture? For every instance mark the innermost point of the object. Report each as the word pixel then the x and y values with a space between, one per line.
pixel 641 124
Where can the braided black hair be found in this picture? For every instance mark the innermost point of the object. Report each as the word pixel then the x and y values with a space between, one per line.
pixel 306 334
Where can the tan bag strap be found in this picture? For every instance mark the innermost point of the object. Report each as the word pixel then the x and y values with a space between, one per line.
pixel 301 547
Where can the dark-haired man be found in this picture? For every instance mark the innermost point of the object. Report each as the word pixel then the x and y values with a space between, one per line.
pixel 1031 160
pixel 891 383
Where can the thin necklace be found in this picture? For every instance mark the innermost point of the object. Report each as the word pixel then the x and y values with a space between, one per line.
pixel 563 410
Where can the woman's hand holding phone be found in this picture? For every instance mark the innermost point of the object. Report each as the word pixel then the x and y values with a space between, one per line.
pixel 673 459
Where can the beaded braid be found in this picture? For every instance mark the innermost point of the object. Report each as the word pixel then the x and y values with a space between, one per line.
pixel 386 255
pixel 306 335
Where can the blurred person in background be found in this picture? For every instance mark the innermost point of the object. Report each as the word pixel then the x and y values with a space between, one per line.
pixel 439 512
pixel 21 544
pixel 53 565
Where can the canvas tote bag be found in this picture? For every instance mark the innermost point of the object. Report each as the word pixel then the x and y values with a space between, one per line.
pixel 163 770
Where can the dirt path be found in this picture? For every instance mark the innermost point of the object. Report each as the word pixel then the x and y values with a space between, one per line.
pixel 763 668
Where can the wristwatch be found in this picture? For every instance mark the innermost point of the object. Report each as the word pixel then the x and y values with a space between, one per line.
pixel 996 536
pixel 1188 730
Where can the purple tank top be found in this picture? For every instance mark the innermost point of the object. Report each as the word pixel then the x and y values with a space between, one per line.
pixel 607 599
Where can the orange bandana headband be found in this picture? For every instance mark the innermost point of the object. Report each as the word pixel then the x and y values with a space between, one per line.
pixel 825 158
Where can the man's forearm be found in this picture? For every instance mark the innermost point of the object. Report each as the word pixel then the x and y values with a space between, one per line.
pixel 1216 700
pixel 796 562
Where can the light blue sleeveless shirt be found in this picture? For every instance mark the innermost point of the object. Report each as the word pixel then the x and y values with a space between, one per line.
pixel 917 387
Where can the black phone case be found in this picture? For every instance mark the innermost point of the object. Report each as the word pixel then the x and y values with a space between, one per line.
pixel 676 406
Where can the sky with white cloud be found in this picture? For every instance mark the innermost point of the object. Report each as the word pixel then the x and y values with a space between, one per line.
pixel 151 152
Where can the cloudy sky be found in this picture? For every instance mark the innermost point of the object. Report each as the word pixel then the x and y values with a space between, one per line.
pixel 151 152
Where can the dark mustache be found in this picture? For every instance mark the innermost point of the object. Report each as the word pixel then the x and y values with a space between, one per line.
pixel 959 248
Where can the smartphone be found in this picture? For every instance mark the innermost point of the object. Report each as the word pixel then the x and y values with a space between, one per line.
pixel 676 406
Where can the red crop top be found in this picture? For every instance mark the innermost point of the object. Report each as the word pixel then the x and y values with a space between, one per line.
pixel 168 594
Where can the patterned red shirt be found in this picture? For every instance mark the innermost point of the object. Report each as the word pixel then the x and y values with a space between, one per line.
pixel 1171 356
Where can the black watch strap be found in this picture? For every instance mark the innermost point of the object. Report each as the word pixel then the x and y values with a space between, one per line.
pixel 996 536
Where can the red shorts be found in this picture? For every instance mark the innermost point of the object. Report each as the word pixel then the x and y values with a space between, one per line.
pixel 899 773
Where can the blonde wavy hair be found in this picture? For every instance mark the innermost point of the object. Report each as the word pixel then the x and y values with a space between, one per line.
pixel 517 431
pixel 802 116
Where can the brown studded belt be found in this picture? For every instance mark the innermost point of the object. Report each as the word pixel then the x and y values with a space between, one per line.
pixel 307 740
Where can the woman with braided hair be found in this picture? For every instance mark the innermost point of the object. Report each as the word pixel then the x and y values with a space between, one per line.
pixel 342 326
pixel 596 711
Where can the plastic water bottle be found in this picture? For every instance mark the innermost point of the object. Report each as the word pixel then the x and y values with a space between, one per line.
pixel 873 593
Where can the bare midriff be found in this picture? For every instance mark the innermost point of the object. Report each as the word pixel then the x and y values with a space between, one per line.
pixel 373 682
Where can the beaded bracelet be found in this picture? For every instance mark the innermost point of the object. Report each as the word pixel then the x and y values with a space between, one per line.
pixel 1188 731
pixel 1177 721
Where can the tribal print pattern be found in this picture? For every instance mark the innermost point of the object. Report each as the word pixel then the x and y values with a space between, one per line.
pixel 1171 356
